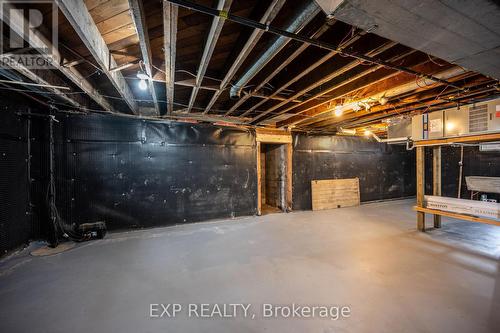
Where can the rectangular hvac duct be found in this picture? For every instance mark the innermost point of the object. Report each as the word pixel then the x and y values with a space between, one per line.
pixel 466 33
pixel 456 121
pixel 468 119
pixel 399 129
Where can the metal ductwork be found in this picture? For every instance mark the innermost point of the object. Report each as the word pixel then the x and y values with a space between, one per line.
pixel 303 17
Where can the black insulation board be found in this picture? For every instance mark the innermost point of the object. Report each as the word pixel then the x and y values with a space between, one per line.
pixel 143 173
pixel 15 220
pixel 384 171
pixel 475 163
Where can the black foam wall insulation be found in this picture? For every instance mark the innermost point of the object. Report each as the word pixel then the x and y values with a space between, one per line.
pixel 475 163
pixel 384 171
pixel 16 226
pixel 134 173
pixel 142 173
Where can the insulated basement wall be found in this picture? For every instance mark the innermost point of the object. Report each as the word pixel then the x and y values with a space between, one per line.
pixel 141 173
pixel 384 171
pixel 475 163
pixel 15 214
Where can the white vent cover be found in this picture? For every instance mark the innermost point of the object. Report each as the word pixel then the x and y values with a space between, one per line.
pixel 478 118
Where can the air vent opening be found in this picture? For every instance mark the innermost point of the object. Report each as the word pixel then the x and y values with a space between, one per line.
pixel 478 118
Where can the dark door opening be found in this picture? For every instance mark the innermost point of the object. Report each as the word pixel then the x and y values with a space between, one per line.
pixel 273 178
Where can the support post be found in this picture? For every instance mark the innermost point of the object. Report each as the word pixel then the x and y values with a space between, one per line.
pixel 420 187
pixel 259 181
pixel 289 175
pixel 436 179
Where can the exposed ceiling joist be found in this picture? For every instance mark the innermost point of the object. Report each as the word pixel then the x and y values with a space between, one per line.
pixel 326 78
pixel 80 19
pixel 426 103
pixel 139 18
pixel 278 69
pixel 410 84
pixel 268 16
pixel 48 79
pixel 170 15
pixel 302 74
pixel 17 22
pixel 213 36
pixel 192 83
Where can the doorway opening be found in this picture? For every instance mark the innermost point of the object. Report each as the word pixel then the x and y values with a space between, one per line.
pixel 273 178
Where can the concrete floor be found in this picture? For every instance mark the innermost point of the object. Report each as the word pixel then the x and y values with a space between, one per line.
pixel 369 258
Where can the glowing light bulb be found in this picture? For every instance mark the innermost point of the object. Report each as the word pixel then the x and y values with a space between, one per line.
pixel 143 85
pixel 450 126
pixel 338 111
pixel 368 133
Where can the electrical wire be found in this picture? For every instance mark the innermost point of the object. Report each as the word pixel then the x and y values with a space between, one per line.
pixel 435 62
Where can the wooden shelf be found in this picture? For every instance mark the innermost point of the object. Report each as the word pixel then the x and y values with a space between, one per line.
pixel 461 139
pixel 456 215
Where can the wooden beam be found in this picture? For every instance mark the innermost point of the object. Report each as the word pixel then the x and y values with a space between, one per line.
pixel 423 210
pixel 436 180
pixel 272 136
pixel 36 40
pixel 213 36
pixel 462 139
pixel 73 63
pixel 420 187
pixel 268 16
pixel 170 14
pixel 80 19
pixel 139 18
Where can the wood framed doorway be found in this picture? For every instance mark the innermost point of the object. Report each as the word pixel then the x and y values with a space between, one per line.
pixel 274 171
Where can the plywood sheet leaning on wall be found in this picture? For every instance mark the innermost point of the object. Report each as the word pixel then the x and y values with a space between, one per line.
pixel 334 193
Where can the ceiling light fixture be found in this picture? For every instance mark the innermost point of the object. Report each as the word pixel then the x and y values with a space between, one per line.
pixel 143 85
pixel 338 110
pixel 142 77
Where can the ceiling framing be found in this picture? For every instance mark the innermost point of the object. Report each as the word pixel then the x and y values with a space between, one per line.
pixel 302 75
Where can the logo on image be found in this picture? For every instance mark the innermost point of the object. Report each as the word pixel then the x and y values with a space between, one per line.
pixel 29 35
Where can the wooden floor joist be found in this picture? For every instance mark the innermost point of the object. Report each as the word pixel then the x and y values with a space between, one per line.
pixel 139 16
pixel 170 16
pixel 80 19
